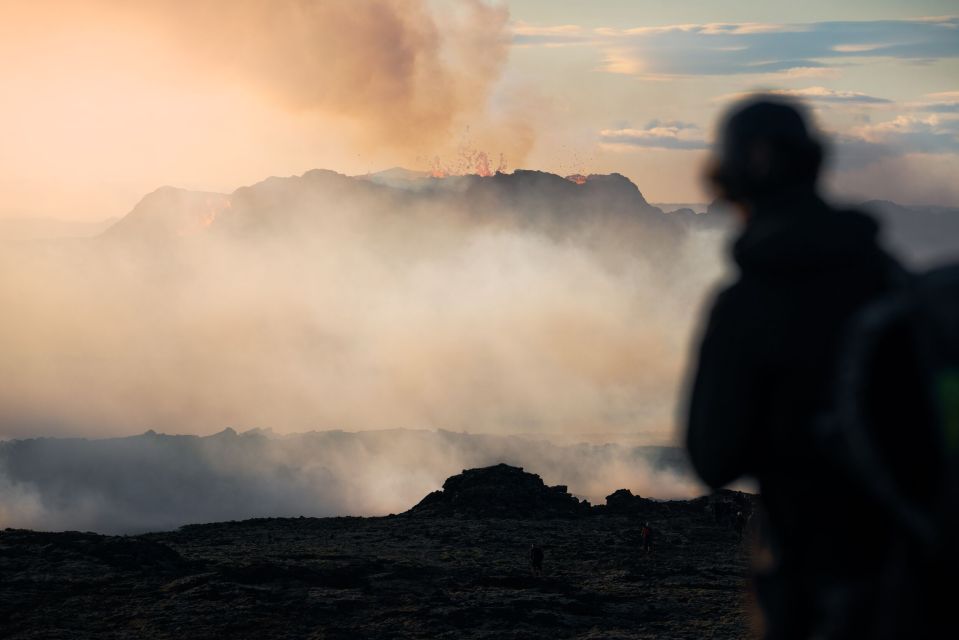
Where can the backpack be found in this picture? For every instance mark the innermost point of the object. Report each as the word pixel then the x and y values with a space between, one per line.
pixel 894 430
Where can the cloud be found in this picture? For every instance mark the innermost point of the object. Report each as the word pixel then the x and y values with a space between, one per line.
pixel 657 135
pixel 900 137
pixel 923 134
pixel 754 48
pixel 678 125
pixel 849 152
pixel 327 302
pixel 807 72
pixel 939 102
pixel 822 94
pixel 525 35
pixel 404 73
pixel 940 107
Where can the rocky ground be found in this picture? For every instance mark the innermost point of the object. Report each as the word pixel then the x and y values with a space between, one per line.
pixel 455 566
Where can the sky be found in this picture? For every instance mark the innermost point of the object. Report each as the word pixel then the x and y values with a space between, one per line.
pixel 104 101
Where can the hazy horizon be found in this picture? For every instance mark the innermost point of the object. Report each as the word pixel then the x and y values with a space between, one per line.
pixel 154 481
pixel 667 205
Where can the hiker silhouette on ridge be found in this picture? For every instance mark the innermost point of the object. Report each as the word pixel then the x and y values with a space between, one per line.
pixel 647 535
pixel 536 559
pixel 765 366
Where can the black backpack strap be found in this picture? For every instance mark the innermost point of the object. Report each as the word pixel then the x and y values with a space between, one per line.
pixel 937 333
pixel 845 433
pixel 927 305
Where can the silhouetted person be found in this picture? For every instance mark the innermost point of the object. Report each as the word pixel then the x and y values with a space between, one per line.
pixel 647 534
pixel 740 524
pixel 535 559
pixel 764 372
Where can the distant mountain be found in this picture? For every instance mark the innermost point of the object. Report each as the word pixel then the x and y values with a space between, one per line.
pixel 397 177
pixel 169 212
pixel 574 207
pixel 293 205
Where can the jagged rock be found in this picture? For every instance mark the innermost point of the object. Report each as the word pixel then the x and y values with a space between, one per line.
pixel 722 506
pixel 623 502
pixel 500 491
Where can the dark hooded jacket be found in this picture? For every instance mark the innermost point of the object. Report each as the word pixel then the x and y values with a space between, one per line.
pixel 765 374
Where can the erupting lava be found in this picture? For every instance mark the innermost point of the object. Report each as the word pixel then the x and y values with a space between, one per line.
pixel 203 215
pixel 469 162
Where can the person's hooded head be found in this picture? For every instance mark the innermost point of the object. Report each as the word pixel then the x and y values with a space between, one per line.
pixel 765 148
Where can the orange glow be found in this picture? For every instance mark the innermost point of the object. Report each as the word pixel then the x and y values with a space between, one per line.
pixel 470 162
pixel 204 215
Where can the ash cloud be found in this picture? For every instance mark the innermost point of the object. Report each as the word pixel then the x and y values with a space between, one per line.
pixel 409 73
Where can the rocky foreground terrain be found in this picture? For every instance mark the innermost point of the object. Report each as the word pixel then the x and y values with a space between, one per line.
pixel 454 566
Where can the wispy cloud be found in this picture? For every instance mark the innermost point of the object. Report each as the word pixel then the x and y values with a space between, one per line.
pixel 822 94
pixel 656 135
pixel 939 102
pixel 550 36
pixel 753 48
pixel 874 142
pixel 925 134
pixel 859 147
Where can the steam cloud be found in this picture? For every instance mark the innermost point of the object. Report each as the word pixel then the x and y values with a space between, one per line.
pixel 152 482
pixel 485 305
pixel 323 302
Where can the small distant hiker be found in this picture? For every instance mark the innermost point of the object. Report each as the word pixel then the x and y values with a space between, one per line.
pixel 741 521
pixel 535 559
pixel 647 534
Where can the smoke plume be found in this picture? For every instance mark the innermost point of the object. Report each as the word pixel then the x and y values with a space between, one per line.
pixel 407 73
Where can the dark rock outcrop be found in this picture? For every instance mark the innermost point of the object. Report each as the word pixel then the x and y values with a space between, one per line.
pixel 500 491
pixel 623 502
pixel 724 505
